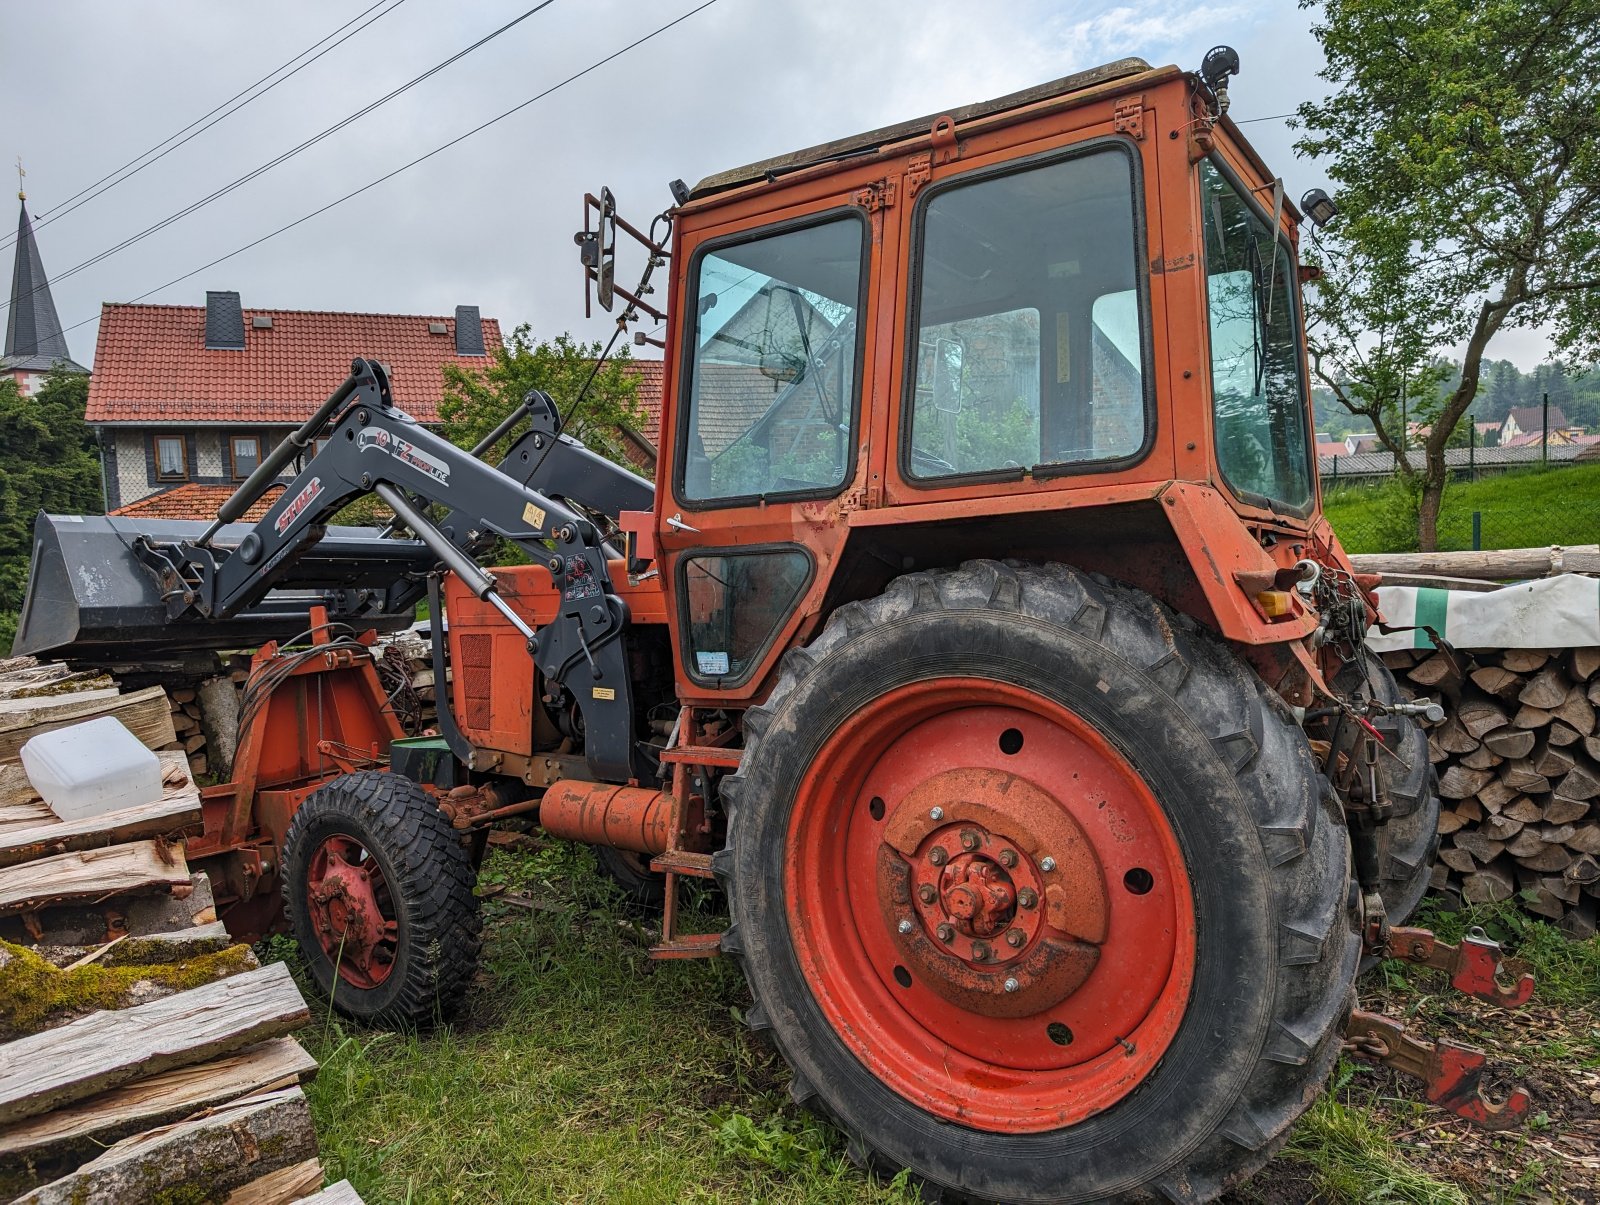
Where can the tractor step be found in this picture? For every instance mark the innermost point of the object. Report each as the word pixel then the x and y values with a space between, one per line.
pixel 679 861
pixel 1452 1074
pixel 704 755
pixel 689 945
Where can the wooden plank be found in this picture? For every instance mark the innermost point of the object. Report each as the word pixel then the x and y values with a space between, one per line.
pixel 145 713
pixel 1497 565
pixel 211 1154
pixel 23 836
pixel 19 710
pixel 138 868
pixel 281 1187
pixel 342 1193
pixel 162 1098
pixel 108 1049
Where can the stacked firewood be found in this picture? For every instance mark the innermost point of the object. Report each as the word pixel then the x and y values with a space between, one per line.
pixel 188 701
pixel 1518 758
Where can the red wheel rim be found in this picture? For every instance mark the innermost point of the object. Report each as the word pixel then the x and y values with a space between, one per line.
pixel 352 911
pixel 1034 970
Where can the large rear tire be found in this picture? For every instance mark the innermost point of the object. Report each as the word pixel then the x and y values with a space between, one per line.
pixel 1411 837
pixel 378 889
pixel 1172 997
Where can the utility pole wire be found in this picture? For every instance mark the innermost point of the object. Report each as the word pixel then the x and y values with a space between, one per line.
pixel 61 209
pixel 287 155
pixel 419 159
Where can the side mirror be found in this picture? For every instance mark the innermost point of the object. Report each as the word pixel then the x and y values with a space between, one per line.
pixel 597 248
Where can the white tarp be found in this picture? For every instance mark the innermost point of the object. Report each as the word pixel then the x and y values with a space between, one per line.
pixel 1550 613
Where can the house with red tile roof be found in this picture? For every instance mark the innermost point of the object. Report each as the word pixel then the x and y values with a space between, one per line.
pixel 195 396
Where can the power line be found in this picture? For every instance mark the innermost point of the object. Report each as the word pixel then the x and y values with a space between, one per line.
pixel 289 154
pixel 61 209
pixel 478 129
pixel 1275 117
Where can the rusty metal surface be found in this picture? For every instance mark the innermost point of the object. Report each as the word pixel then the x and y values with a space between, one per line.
pixel 631 818
pixel 1452 1074
pixel 1476 967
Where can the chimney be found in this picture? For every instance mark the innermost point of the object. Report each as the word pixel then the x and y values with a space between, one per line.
pixel 469 331
pixel 224 322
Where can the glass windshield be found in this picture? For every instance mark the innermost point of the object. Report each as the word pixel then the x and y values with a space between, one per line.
pixel 1256 389
pixel 1030 348
pixel 772 389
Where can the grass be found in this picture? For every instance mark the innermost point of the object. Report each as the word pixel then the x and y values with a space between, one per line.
pixel 582 1071
pixel 1519 509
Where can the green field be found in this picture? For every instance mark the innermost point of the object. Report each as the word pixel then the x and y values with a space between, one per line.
pixel 582 1071
pixel 1519 509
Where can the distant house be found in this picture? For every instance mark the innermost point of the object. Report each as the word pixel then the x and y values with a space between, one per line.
pixel 195 396
pixel 1559 437
pixel 1327 445
pixel 1529 420
pixel 1359 443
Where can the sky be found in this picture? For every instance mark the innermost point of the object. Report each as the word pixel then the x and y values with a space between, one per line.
pixel 91 84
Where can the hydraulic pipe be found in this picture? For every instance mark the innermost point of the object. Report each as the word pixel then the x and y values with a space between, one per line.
pixel 597 813
pixel 267 471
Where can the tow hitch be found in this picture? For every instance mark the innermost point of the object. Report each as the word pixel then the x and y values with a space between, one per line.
pixel 1451 1073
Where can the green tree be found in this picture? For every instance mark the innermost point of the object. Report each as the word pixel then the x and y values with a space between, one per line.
pixel 475 403
pixel 47 462
pixel 1464 138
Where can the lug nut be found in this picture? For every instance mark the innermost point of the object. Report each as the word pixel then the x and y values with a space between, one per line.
pixel 1015 938
pixel 1012 985
pixel 1027 897
pixel 936 814
pixel 969 840
pixel 1008 858
pixel 937 855
pixel 1047 864
pixel 980 952
pixel 905 926
pixel 947 933
pixel 926 893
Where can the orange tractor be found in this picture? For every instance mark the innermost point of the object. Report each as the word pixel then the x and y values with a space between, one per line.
pixel 982 636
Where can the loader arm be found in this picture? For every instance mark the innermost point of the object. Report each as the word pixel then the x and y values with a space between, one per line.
pixel 373 447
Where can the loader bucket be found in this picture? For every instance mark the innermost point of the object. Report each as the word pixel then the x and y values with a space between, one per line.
pixel 89 599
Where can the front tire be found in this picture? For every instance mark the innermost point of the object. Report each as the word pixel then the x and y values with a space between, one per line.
pixel 378 889
pixel 1179 985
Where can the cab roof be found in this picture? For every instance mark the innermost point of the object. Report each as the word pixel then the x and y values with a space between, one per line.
pixel 872 140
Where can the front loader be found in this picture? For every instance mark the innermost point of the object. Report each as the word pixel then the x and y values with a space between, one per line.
pixel 981 635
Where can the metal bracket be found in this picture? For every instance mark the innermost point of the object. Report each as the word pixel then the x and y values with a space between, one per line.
pixel 878 195
pixel 1452 1075
pixel 918 172
pixel 1128 117
pixel 1474 966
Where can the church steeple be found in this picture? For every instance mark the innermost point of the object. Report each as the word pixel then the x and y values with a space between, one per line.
pixel 34 339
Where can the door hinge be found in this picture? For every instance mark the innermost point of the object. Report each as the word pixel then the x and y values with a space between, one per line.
pixel 918 172
pixel 1128 117
pixel 875 196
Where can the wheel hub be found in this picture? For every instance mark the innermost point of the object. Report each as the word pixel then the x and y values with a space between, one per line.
pixel 977 894
pixel 345 892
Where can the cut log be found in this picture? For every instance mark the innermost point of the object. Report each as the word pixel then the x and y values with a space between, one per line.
pixel 1496 795
pixel 1576 710
pixel 1584 869
pixel 1500 828
pixel 1524 809
pixel 1493 680
pixel 1499 565
pixel 1449 822
pixel 1510 742
pixel 1552 763
pixel 1490 885
pixel 1470 810
pixel 1524 661
pixel 1556 834
pixel 108 1049
pixel 212 1153
pixel 1558 886
pixel 1549 859
pixel 1561 734
pixel 1561 810
pixel 1531 717
pixel 181 694
pixel 1440 671
pixel 160 1098
pixel 1459 860
pixel 1591 746
pixel 1483 848
pixel 1585 839
pixel 144 713
pixel 1584 663
pixel 1481 759
pixel 1478 716
pixel 31 830
pixel 1581 783
pixel 1546 689
pixel 1458 782
pixel 1579 922
pixel 1453 738
pixel 281 1187
pixel 1520 776
pixel 138 868
pixel 1525 844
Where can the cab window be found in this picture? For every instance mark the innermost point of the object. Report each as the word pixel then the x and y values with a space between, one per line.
pixel 772 383
pixel 1257 392
pixel 1029 352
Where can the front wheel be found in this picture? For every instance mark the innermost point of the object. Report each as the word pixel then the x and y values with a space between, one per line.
pixel 378 889
pixel 1035 890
